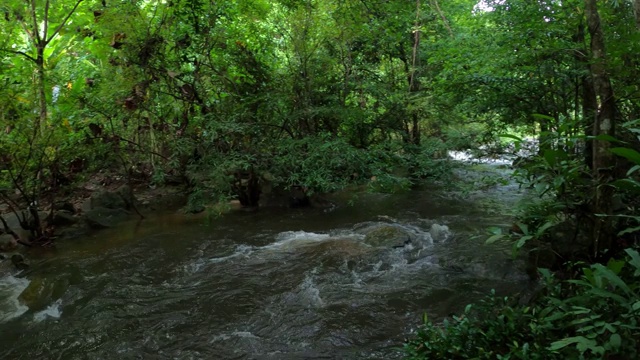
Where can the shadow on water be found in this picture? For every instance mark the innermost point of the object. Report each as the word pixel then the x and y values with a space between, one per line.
pixel 274 284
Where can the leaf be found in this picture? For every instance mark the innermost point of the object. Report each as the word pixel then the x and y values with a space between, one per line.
pixel 552 157
pixel 616 265
pixel 635 260
pixel 581 340
pixel 615 341
pixel 627 153
pixel 523 240
pixel 627 184
pixel 524 228
pixel 579 310
pixel 542 188
pixel 612 277
pixel 605 137
pixel 509 136
pixel 631 123
pixel 495 230
pixel 609 295
pixel 543 117
pixel 546 274
pixel 494 238
pixel 542 229
pixel 633 169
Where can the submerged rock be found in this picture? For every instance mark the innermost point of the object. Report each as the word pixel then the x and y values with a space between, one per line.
pixel 19 262
pixel 41 292
pixel 74 231
pixel 385 235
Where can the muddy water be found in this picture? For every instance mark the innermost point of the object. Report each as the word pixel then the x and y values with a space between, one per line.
pixel 275 284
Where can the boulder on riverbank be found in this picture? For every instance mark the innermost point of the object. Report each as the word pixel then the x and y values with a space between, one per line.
pixel 102 218
pixel 105 209
pixel 121 198
pixel 13 222
pixel 7 243
pixel 63 218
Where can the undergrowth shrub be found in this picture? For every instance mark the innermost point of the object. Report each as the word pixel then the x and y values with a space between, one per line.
pixel 596 316
pixel 321 164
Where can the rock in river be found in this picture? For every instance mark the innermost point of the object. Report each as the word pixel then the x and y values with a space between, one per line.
pixel 385 235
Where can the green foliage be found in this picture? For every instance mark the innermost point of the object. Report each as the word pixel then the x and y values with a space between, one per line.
pixel 523 235
pixel 594 317
pixel 561 182
pixel 429 159
pixel 323 164
pixel 493 329
pixel 320 163
pixel 629 187
pixel 309 93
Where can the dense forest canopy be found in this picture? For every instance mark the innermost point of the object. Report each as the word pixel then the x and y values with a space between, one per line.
pixel 316 94
pixel 229 98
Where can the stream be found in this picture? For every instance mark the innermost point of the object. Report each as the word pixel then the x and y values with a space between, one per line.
pixel 272 284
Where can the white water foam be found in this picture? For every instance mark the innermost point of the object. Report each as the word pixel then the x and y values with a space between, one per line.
pixel 10 289
pixel 52 311
pixel 467 157
pixel 285 239
pixel 309 293
pixel 244 334
pixel 238 334
pixel 439 232
pixel 241 250
pixel 289 238
pixel 357 279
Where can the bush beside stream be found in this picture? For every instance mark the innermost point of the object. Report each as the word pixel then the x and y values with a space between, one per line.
pixel 594 316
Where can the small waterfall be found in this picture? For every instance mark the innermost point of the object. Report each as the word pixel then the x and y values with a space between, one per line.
pixel 10 290
pixel 52 311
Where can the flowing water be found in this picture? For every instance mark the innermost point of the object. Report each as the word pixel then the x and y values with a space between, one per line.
pixel 274 284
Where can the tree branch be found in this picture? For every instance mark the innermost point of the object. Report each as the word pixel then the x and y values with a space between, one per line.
pixel 26 30
pixel 20 53
pixel 46 20
pixel 36 32
pixel 64 22
pixel 444 19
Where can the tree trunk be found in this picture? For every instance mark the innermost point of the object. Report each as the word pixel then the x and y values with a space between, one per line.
pixel 589 100
pixel 589 115
pixel 41 88
pixel 414 84
pixel 636 10
pixel 604 124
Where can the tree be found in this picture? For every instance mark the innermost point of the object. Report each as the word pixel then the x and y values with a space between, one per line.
pixel 603 129
pixel 41 23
